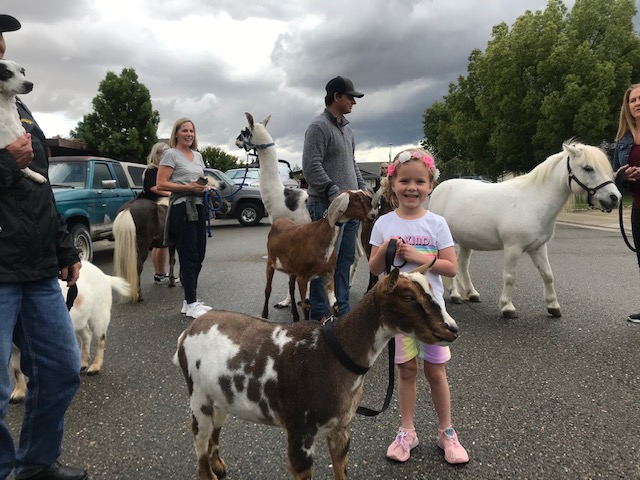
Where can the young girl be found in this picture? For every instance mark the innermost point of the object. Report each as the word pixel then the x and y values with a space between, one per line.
pixel 422 237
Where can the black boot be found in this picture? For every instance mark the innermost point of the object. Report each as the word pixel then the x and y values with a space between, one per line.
pixel 55 471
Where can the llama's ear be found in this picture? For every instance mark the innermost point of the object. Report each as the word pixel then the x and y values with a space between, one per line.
pixel 266 120
pixel 249 119
pixel 337 208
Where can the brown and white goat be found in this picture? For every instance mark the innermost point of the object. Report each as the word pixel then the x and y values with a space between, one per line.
pixel 286 375
pixel 307 251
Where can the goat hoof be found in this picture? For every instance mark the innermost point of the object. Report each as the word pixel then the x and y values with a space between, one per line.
pixel 280 305
pixel 456 300
pixel 554 312
pixel 474 298
pixel 93 372
pixel 83 369
pixel 509 314
pixel 16 400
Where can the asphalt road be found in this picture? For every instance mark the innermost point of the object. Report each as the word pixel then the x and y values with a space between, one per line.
pixel 533 397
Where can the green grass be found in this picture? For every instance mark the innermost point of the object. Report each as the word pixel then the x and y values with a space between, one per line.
pixel 581 204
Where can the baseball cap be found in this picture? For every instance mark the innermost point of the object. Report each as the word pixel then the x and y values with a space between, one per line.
pixel 8 23
pixel 342 85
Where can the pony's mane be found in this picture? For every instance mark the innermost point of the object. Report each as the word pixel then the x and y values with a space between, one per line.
pixel 591 155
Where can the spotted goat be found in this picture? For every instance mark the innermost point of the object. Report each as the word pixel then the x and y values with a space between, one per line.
pixel 308 251
pixel 286 375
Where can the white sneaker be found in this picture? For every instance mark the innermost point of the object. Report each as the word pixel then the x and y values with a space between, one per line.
pixel 195 309
pixel 183 310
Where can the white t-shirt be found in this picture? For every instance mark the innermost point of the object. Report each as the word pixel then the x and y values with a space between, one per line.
pixel 427 234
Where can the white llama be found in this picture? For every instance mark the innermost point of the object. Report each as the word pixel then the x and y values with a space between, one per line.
pixel 280 202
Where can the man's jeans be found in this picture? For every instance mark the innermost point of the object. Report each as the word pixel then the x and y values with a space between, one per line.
pixel 346 252
pixel 35 317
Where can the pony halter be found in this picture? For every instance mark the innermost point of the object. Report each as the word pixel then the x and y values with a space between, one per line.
pixel 590 191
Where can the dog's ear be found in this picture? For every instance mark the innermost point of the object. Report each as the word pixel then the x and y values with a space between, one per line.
pixel 5 72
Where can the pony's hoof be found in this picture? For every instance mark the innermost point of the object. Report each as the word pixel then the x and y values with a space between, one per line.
pixel 455 300
pixel 509 314
pixel 14 400
pixel 474 298
pixel 281 305
pixel 554 312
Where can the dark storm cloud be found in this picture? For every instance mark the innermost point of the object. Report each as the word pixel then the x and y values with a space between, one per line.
pixel 274 57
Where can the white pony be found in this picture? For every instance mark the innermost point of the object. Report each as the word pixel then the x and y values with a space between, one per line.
pixel 280 202
pixel 519 215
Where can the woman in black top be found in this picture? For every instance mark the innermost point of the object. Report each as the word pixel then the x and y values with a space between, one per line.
pixel 150 191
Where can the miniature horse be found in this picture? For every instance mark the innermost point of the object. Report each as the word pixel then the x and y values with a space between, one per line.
pixel 138 228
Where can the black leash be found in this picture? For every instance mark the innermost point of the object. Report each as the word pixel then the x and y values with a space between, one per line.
pixel 624 234
pixel 71 295
pixel 358 369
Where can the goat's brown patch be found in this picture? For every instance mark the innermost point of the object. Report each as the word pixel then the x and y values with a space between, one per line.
pixel 207 410
pixel 238 382
pixel 225 386
pixel 194 425
pixel 254 390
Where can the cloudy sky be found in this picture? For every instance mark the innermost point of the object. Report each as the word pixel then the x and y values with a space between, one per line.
pixel 212 60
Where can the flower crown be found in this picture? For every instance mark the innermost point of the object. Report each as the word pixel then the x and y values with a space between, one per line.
pixel 407 155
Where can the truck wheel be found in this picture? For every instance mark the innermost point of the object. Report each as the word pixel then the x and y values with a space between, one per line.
pixel 250 214
pixel 82 241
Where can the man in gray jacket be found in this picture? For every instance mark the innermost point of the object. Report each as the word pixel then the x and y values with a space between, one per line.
pixel 329 167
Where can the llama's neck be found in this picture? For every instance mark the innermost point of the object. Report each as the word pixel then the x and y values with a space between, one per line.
pixel 271 186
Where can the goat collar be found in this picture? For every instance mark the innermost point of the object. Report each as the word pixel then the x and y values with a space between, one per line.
pixel 344 359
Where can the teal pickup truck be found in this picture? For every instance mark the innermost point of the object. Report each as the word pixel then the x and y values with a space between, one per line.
pixel 89 191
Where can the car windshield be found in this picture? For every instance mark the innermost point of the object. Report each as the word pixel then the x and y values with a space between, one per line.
pixel 68 174
pixel 239 174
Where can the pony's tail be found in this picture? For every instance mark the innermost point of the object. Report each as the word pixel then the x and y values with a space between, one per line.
pixel 125 253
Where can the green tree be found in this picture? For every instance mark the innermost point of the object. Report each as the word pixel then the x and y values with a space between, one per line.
pixel 555 75
pixel 123 124
pixel 215 157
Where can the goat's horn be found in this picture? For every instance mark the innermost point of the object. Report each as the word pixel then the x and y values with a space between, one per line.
pixel 423 269
pixel 392 280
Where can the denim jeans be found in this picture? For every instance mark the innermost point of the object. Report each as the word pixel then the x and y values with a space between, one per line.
pixel 346 252
pixel 191 245
pixel 35 317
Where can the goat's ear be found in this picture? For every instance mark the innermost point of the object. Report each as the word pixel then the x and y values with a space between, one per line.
pixel 266 120
pixel 337 208
pixel 392 280
pixel 423 269
pixel 249 119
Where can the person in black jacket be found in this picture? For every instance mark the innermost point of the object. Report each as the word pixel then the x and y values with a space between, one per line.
pixel 36 251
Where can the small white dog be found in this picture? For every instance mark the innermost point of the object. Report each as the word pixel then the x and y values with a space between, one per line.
pixel 12 83
pixel 90 314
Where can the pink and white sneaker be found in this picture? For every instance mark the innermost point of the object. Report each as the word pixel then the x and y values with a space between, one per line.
pixel 454 453
pixel 400 448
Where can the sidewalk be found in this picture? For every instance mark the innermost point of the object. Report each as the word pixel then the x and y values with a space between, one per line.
pixel 595 219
